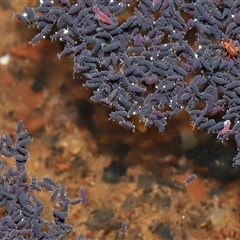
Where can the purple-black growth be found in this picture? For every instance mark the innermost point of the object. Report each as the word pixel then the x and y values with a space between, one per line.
pixel 147 62
pixel 23 209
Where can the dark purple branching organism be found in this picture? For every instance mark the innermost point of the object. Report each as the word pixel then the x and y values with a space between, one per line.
pixel 23 219
pixel 167 56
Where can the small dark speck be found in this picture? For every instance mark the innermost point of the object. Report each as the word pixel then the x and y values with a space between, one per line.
pixel 84 172
pixel 57 150
pixel 129 202
pixel 77 162
pixel 145 197
pixel 162 202
pixel 216 191
pixel 51 140
pixel 121 149
pixel 5 4
pixel 85 112
pixel 63 89
pixel 114 172
pixel 170 183
pixel 10 113
pixel 99 219
pixel 164 232
pixel 118 149
pixel 40 80
pixel 38 84
pixel 145 182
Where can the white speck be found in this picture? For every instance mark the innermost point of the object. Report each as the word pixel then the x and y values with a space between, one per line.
pixel 4 60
